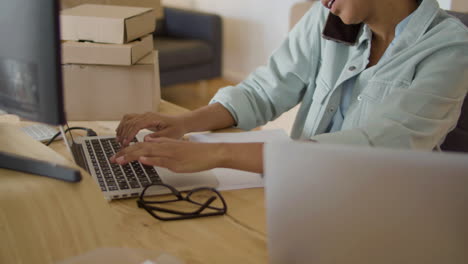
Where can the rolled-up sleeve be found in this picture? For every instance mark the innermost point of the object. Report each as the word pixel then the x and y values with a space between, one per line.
pixel 273 89
pixel 419 116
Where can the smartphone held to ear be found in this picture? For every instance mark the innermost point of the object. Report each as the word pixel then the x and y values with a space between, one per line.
pixel 338 31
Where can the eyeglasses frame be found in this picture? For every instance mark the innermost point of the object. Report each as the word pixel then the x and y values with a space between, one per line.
pixel 151 209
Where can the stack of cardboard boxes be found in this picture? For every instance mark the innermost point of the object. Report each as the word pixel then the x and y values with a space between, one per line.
pixel 109 66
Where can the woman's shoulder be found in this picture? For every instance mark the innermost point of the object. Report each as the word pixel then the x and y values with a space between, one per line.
pixel 447 28
pixel 316 15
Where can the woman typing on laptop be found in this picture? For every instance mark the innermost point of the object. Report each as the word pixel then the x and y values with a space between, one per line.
pixel 384 73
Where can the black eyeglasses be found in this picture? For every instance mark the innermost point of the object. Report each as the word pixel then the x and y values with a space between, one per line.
pixel 201 202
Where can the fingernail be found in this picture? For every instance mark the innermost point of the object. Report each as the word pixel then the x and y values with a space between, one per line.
pixel 120 159
pixel 112 159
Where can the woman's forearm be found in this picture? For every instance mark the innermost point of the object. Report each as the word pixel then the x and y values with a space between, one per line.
pixel 241 156
pixel 210 117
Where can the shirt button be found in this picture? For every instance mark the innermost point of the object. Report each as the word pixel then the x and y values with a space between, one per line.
pixel 352 68
pixel 359 98
pixel 331 110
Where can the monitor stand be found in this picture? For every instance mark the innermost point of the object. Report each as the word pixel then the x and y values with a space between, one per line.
pixel 42 168
pixel 18 152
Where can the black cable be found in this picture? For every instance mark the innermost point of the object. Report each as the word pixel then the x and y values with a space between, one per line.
pixel 89 133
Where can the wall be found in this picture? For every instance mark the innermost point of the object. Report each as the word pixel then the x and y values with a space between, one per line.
pixel 253 29
pixel 460 5
pixel 456 5
pixel 445 4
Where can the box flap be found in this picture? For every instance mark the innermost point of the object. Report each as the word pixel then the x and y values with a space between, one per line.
pixel 95 53
pixel 96 29
pixel 140 25
pixel 105 11
pixel 143 48
pixel 155 4
pixel 106 24
pixel 106 54
pixel 148 59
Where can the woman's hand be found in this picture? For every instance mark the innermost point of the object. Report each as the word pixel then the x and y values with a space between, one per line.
pixel 185 156
pixel 175 155
pixel 210 117
pixel 162 125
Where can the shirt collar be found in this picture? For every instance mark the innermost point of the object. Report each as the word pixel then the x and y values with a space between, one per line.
pixel 364 35
pixel 415 26
pixel 402 25
pixel 416 23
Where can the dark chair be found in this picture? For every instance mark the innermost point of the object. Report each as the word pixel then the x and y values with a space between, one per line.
pixel 189 45
pixel 457 140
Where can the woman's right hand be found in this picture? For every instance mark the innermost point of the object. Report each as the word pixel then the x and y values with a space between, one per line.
pixel 162 125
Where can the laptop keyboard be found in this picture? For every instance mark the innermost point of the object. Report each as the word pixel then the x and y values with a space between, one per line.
pixel 114 177
pixel 40 132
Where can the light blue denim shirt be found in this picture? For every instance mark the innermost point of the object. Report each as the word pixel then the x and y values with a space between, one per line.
pixel 349 85
pixel 411 99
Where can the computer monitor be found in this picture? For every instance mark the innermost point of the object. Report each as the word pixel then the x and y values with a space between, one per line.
pixel 30 75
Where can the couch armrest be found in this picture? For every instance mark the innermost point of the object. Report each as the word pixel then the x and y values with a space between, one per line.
pixel 183 23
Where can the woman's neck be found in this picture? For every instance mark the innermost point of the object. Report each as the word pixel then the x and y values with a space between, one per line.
pixel 387 15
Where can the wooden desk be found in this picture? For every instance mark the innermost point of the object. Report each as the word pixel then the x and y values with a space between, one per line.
pixel 239 237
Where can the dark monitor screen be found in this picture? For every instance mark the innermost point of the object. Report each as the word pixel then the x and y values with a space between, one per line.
pixel 30 73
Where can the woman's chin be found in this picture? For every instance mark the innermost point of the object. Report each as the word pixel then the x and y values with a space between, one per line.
pixel 349 20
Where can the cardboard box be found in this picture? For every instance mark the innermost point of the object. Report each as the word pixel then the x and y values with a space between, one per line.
pixel 106 24
pixel 155 4
pixel 101 92
pixel 106 54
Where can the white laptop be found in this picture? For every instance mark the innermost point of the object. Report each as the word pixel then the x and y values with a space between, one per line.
pixel 116 181
pixel 330 204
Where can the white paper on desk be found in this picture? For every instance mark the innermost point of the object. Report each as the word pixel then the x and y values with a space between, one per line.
pixel 230 179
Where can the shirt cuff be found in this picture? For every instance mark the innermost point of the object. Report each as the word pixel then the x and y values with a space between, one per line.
pixel 234 100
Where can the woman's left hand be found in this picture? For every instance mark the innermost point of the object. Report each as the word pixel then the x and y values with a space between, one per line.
pixel 175 155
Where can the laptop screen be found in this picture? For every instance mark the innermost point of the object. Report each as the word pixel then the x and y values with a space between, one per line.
pixel 348 204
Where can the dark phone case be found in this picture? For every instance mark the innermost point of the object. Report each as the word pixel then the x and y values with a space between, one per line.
pixel 338 31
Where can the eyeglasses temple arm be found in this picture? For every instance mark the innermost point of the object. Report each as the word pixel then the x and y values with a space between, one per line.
pixel 206 204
